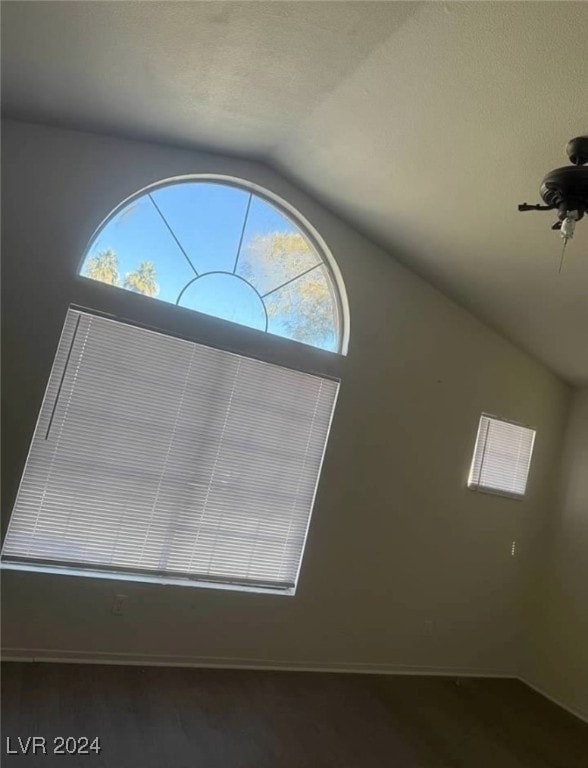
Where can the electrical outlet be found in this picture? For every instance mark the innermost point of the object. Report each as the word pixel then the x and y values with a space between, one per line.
pixel 119 604
pixel 429 626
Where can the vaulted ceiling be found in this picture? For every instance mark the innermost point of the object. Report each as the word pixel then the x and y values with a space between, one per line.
pixel 424 124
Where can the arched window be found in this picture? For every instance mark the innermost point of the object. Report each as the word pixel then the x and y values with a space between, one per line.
pixel 161 455
pixel 224 249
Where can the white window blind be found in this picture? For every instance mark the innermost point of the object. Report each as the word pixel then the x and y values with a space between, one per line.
pixel 161 457
pixel 502 457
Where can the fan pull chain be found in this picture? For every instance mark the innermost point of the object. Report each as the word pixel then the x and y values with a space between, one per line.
pixel 563 250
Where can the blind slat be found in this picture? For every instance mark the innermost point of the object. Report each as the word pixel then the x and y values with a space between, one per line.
pixel 156 455
pixel 502 457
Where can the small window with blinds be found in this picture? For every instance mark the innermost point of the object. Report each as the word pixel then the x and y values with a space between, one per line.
pixel 160 459
pixel 502 457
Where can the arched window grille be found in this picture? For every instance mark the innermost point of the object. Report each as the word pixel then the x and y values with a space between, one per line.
pixel 227 250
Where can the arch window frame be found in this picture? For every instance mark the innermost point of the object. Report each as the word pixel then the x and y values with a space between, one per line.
pixel 292 214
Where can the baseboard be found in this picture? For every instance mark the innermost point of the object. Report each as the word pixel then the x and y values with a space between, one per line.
pixel 81 657
pixel 581 715
pixel 132 659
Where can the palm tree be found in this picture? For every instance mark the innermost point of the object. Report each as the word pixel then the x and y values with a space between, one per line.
pixel 103 267
pixel 142 280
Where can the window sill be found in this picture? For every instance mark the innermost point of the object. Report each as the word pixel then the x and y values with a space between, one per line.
pixel 144 578
pixel 496 492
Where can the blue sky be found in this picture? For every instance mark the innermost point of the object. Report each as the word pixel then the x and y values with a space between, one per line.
pixel 207 220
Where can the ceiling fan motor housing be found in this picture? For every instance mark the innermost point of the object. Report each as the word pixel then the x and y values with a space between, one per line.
pixel 567 188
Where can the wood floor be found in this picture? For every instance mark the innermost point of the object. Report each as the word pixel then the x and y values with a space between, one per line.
pixel 202 718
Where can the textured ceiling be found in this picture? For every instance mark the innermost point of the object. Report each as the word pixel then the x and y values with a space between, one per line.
pixel 425 124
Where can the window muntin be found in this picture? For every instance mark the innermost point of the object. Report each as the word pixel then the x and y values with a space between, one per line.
pixel 502 457
pixel 226 251
pixel 159 458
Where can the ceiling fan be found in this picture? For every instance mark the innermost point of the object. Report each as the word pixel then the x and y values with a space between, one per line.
pixel 566 189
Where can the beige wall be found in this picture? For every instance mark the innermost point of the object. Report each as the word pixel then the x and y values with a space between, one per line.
pixel 405 569
pixel 555 654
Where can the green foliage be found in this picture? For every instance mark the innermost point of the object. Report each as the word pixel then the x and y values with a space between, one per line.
pixel 142 280
pixel 305 306
pixel 103 267
pixel 304 309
